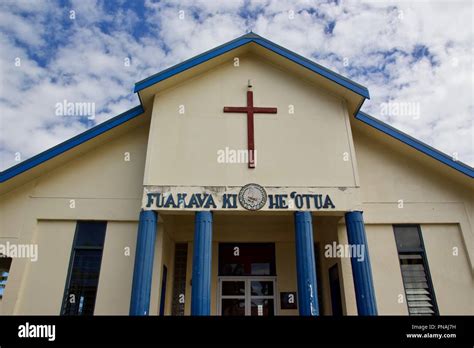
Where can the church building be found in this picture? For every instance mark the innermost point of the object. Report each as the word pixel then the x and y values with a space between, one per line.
pixel 246 182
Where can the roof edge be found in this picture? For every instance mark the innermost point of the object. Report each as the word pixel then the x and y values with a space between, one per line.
pixel 314 67
pixel 415 143
pixel 70 143
pixel 265 43
pixel 190 63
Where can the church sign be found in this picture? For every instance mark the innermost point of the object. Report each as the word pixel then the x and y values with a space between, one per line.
pixel 250 197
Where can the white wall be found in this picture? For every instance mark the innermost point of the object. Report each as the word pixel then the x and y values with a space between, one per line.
pixel 301 149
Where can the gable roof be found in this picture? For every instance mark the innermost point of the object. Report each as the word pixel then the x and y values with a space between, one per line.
pixel 415 143
pixel 71 143
pixel 199 59
pixel 244 40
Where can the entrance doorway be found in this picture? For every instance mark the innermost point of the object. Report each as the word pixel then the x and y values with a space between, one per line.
pixel 247 279
pixel 253 296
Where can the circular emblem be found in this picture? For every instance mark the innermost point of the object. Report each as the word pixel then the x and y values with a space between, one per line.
pixel 252 197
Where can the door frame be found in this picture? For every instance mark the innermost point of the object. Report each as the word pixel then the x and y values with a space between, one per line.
pixel 247 297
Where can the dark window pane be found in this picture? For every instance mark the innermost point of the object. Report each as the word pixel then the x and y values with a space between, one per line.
pixel 335 287
pixel 260 268
pixel 163 290
pixel 233 307
pixel 233 269
pixel 80 299
pixel 5 263
pixel 407 238
pixel 262 288
pixel 83 277
pixel 230 288
pixel 90 234
pixel 239 259
pixel 262 307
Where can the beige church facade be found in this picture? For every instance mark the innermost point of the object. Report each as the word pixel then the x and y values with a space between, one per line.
pixel 247 182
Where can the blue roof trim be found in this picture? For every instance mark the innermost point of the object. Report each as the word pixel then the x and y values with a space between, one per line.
pixel 71 143
pixel 190 63
pixel 314 67
pixel 416 144
pixel 138 110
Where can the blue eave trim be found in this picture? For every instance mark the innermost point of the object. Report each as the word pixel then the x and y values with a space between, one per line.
pixel 316 68
pixel 416 144
pixel 331 75
pixel 190 63
pixel 71 143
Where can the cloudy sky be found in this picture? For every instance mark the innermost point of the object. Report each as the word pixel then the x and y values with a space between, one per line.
pixel 408 53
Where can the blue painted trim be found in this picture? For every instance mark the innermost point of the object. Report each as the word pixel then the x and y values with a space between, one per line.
pixel 138 110
pixel 306 265
pixel 143 269
pixel 416 144
pixel 70 143
pixel 190 63
pixel 202 263
pixel 314 67
pixel 361 269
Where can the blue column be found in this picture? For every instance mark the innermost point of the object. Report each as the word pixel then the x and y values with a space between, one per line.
pixel 361 270
pixel 142 273
pixel 202 255
pixel 306 265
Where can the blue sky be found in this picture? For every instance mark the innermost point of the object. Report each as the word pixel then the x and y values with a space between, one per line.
pixel 414 54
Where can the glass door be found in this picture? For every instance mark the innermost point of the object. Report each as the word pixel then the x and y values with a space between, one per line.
pixel 262 297
pixel 233 297
pixel 251 296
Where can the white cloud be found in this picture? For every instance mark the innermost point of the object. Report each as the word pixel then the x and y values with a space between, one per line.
pixel 86 60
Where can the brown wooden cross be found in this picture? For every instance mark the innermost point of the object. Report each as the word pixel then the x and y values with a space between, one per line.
pixel 250 110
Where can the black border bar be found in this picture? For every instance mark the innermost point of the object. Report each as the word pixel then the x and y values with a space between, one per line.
pixel 242 330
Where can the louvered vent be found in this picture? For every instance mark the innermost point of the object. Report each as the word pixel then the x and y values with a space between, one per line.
pixel 415 281
pixel 419 291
